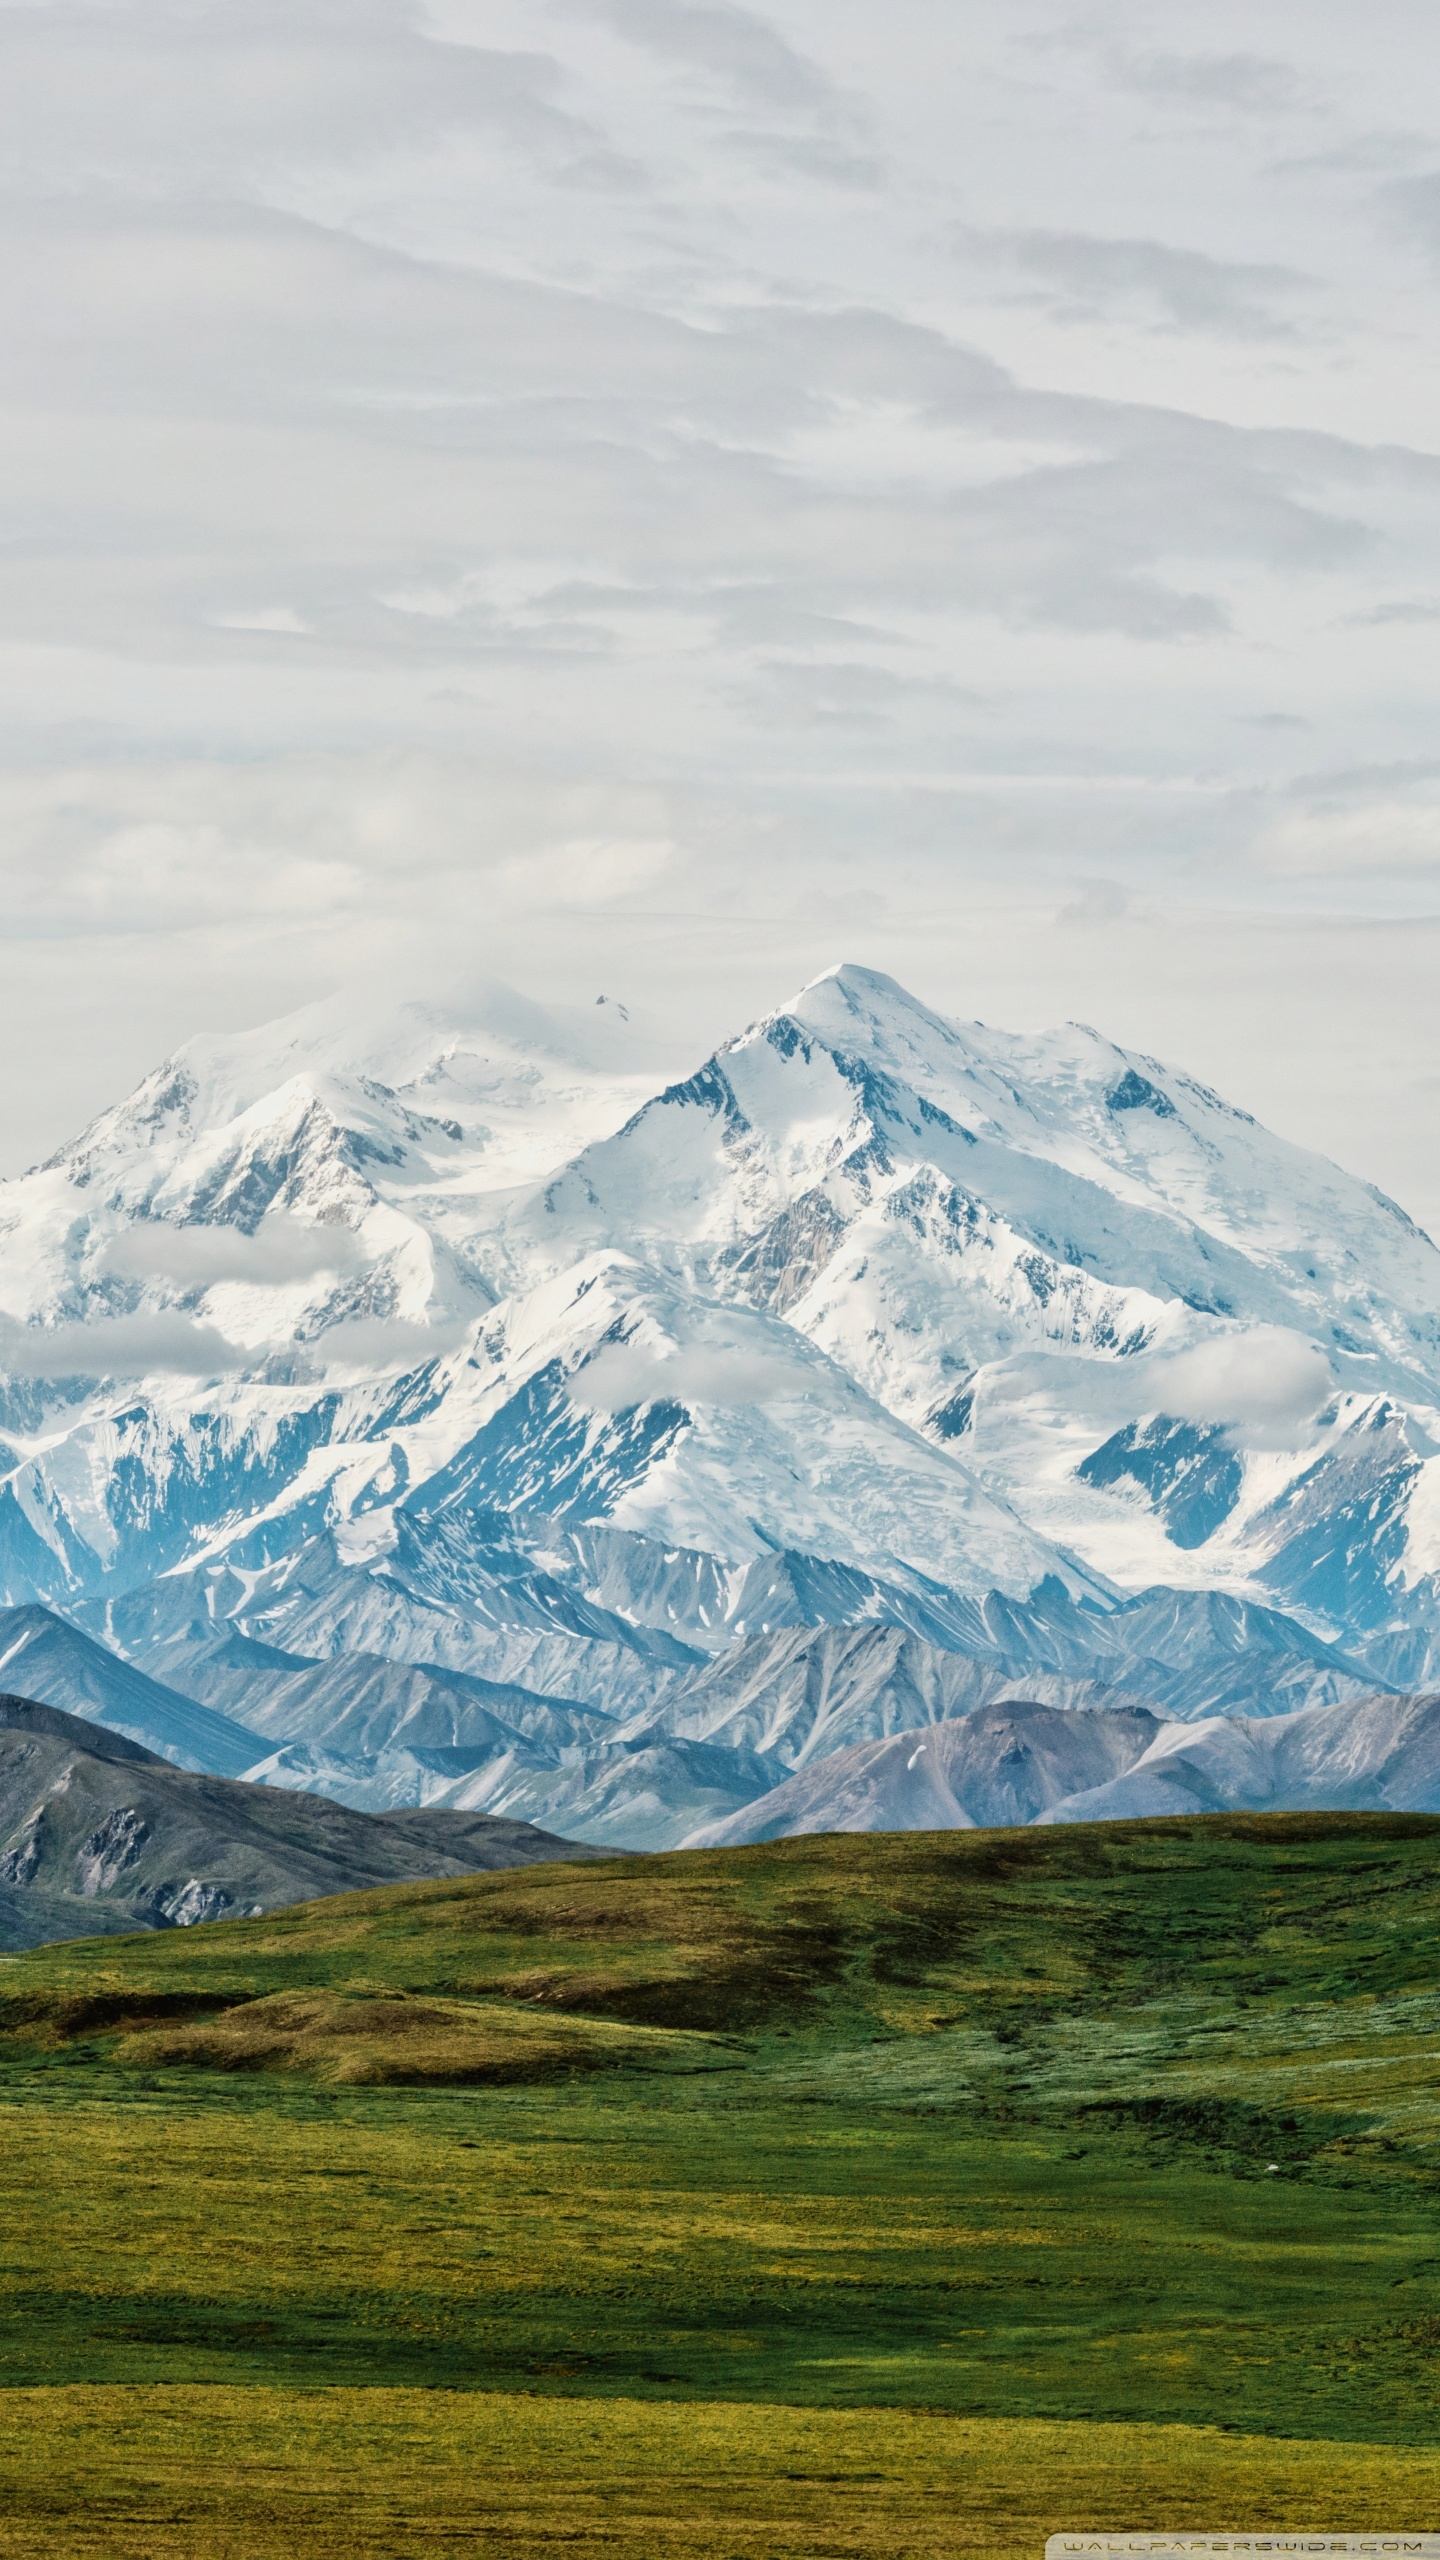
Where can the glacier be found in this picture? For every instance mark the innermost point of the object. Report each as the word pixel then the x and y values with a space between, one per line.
pixel 479 1405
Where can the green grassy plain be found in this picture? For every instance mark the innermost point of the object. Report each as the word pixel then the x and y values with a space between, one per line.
pixel 879 2194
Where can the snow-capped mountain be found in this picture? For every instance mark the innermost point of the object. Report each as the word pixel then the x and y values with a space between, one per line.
pixel 1161 1332
pixel 265 1192
pixel 467 1341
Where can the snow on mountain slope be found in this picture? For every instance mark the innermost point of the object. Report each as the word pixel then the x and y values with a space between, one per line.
pixel 1144 1320
pixel 272 1185
pixel 373 1732
pixel 742 1439
pixel 799 1695
pixel 805 1693
pixel 612 1393
pixel 1197 1653
pixel 793 1729
pixel 571 1613
pixel 644 1796
pixel 1002 1193
pixel 619 1394
pixel 274 1237
pixel 652 1582
pixel 424 1597
pixel 376 1782
pixel 649 1794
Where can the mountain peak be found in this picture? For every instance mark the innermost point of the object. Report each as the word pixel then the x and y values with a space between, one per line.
pixel 867 999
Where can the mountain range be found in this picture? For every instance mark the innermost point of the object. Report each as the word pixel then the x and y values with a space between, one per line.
pixel 478 1409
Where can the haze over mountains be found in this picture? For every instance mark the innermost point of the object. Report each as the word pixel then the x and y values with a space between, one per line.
pixel 430 1411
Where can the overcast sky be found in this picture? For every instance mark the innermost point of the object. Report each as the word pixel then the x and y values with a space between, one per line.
pixel 660 495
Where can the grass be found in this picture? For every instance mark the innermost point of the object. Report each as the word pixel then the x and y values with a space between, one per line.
pixel 248 2475
pixel 1052 2178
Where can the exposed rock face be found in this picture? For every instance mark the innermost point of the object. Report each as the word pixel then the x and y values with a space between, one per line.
pixel 180 1906
pixel 113 1845
pixel 20 1864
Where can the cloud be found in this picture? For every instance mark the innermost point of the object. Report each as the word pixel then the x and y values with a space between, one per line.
pixel 138 1346
pixel 422 466
pixel 1253 83
pixel 1415 203
pixel 839 693
pixel 1264 1384
pixel 265 617
pixel 382 1342
pixel 1145 281
pixel 624 1375
pixel 1398 609
pixel 263 92
pixel 113 849
pixel 281 1249
pixel 731 45
pixel 811 157
pixel 1384 833
pixel 1100 902
pixel 167 1344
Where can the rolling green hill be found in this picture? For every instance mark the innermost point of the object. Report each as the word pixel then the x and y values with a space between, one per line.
pixel 967 2186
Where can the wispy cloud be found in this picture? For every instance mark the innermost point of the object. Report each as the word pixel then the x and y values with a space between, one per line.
pixel 138 1346
pixel 1265 1384
pixel 262 94
pixel 626 1375
pixel 733 46
pixel 1086 278
pixel 1395 609
pixel 1252 83
pixel 1413 206
pixel 168 1343
pixel 282 1249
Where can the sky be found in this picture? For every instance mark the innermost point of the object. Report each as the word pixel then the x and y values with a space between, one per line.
pixel 657 496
